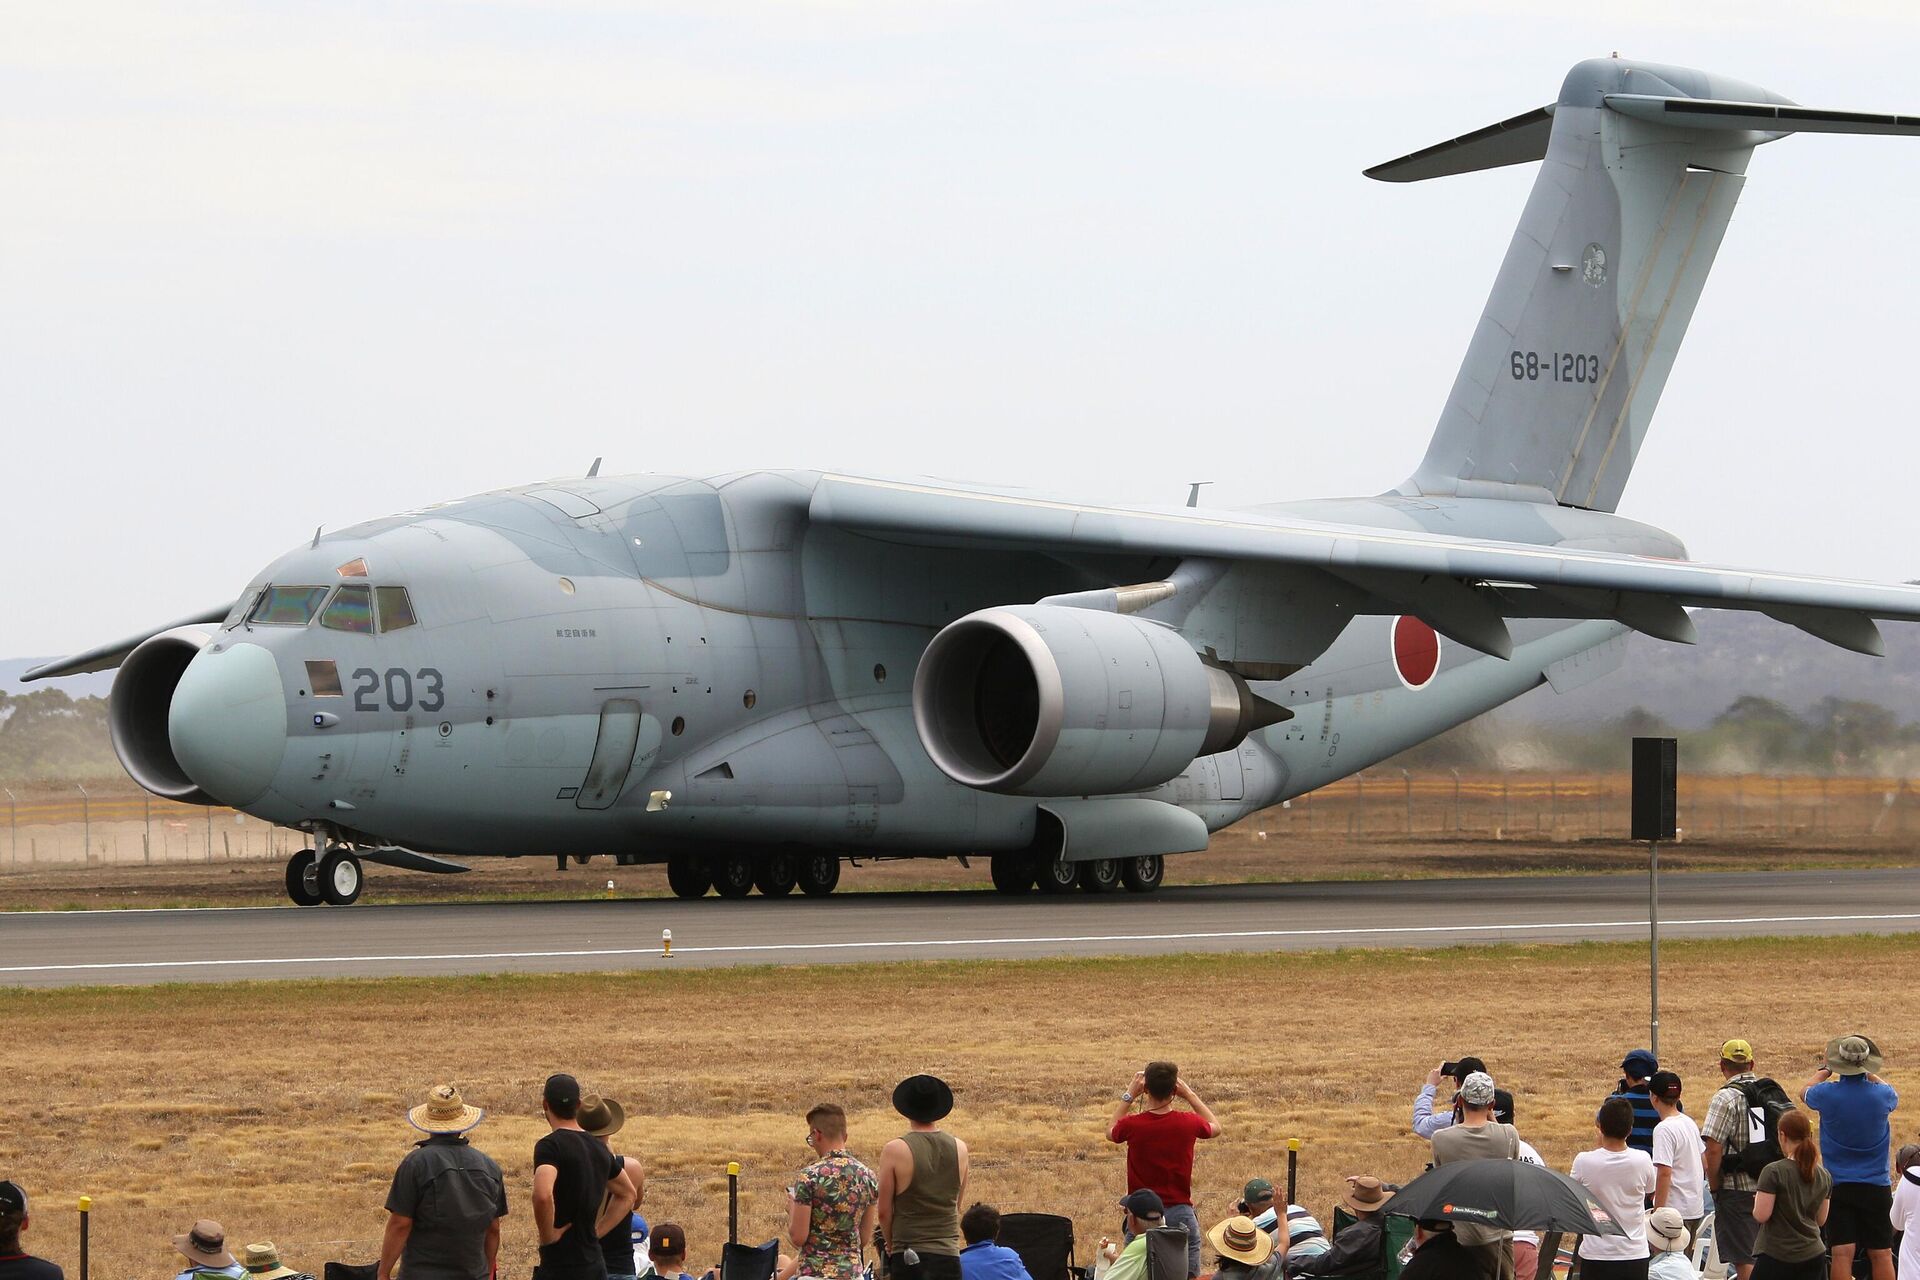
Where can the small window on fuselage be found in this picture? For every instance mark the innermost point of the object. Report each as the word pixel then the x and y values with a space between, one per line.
pixel 396 610
pixel 350 610
pixel 324 676
pixel 287 606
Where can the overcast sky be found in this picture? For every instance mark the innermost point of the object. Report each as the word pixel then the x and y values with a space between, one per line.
pixel 269 266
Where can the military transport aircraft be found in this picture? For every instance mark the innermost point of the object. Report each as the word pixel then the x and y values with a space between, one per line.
pixel 752 676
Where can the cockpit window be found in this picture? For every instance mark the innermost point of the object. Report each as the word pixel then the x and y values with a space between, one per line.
pixel 350 610
pixel 396 610
pixel 287 606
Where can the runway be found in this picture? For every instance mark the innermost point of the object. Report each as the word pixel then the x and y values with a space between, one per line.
pixel 54 949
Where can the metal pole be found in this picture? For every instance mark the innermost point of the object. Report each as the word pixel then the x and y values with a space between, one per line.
pixel 1653 934
pixel 1293 1171
pixel 86 824
pixel 86 1215
pixel 733 1202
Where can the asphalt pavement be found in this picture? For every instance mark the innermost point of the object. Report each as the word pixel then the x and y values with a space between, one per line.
pixel 68 948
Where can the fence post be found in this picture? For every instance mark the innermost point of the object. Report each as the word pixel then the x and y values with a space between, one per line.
pixel 1406 781
pixel 1293 1171
pixel 209 833
pixel 733 1202
pixel 86 1215
pixel 146 811
pixel 1358 812
pixel 1456 798
pixel 86 825
pixel 13 826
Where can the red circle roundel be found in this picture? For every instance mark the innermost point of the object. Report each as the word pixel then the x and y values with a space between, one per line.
pixel 1416 652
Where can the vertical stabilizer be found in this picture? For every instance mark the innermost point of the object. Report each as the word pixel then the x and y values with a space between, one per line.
pixel 1599 282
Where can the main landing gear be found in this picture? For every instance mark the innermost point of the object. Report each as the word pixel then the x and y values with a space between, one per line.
pixel 735 875
pixel 333 877
pixel 1015 873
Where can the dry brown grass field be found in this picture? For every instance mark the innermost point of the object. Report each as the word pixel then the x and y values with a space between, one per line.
pixel 276 1107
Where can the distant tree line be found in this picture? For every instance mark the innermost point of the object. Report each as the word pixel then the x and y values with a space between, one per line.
pixel 49 735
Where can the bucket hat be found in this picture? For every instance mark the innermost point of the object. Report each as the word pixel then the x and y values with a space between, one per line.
pixel 1853 1056
pixel 205 1244
pixel 1667 1231
pixel 1364 1195
pixel 444 1112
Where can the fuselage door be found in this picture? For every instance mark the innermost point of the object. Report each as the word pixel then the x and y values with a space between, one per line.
pixel 612 754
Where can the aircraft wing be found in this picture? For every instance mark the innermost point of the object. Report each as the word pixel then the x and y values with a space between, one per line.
pixel 105 657
pixel 1464 587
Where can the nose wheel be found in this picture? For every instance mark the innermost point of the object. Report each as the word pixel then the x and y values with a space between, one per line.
pixel 334 878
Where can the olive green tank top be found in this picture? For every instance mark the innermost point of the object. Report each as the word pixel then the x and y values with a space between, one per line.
pixel 926 1216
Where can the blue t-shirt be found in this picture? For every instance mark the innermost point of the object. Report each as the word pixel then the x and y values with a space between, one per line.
pixel 987 1260
pixel 1855 1137
pixel 1644 1116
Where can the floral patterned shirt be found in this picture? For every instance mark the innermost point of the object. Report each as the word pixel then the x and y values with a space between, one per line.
pixel 838 1189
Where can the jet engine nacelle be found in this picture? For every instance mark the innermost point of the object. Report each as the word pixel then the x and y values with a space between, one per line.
pixel 138 706
pixel 1047 700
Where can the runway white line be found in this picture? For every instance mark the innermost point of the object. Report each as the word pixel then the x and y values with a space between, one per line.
pixel 910 943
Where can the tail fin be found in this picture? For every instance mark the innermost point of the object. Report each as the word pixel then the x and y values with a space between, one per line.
pixel 1643 164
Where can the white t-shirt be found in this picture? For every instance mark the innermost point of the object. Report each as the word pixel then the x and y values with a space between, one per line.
pixel 1676 1144
pixel 1906 1217
pixel 1620 1182
pixel 1528 1154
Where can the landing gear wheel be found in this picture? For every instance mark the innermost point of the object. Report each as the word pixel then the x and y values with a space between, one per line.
pixel 1143 874
pixel 303 879
pixel 340 878
pixel 688 877
pixel 1056 875
pixel 733 876
pixel 1102 875
pixel 1012 873
pixel 776 873
pixel 819 873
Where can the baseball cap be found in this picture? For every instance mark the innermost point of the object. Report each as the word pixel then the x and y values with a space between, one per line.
pixel 562 1092
pixel 1664 1085
pixel 1144 1204
pixel 1736 1051
pixel 13 1197
pixel 1639 1064
pixel 1477 1089
pixel 669 1239
pixel 1257 1189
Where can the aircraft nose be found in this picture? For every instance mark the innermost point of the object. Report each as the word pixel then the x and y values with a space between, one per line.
pixel 228 722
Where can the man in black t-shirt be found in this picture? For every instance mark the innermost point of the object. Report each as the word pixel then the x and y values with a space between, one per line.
pixel 14 1262
pixel 578 1193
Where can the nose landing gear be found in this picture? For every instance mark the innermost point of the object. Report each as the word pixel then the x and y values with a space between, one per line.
pixel 334 878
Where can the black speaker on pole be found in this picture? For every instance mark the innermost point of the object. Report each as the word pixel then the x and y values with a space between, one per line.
pixel 1656 774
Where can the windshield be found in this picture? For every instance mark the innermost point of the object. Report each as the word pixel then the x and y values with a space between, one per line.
pixel 287 606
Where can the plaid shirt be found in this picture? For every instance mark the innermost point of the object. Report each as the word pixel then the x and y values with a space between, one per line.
pixel 1727 1124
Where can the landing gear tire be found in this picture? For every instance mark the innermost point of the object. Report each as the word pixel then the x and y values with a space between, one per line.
pixel 818 874
pixel 1143 874
pixel 303 879
pixel 1012 873
pixel 1102 875
pixel 733 876
pixel 340 879
pixel 1056 875
pixel 775 874
pixel 687 877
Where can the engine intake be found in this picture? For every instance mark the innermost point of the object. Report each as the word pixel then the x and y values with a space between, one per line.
pixel 137 712
pixel 1049 700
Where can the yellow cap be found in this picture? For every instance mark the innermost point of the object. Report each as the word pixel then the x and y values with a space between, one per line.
pixel 1736 1051
pixel 733 1168
pixel 1293 1144
pixel 86 1203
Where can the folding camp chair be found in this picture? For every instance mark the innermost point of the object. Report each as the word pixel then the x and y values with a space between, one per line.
pixel 749 1262
pixel 351 1270
pixel 1394 1234
pixel 1044 1242
pixel 1167 1253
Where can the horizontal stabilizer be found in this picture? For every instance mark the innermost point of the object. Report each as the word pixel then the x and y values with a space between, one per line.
pixel 1761 117
pixel 1517 140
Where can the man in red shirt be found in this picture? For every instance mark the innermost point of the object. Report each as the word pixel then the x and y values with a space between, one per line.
pixel 1159 1142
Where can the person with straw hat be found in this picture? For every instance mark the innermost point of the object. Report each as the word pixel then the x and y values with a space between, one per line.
pixel 602 1118
pixel 1856 1143
pixel 205 1246
pixel 262 1262
pixel 1243 1251
pixel 1359 1249
pixel 447 1198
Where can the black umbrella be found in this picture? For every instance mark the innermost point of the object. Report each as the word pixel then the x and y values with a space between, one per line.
pixel 1514 1195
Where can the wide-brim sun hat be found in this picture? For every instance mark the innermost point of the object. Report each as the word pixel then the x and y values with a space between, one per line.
pixel 601 1117
pixel 923 1099
pixel 1239 1239
pixel 262 1262
pixel 1364 1195
pixel 205 1243
pixel 1667 1231
pixel 1853 1056
pixel 444 1112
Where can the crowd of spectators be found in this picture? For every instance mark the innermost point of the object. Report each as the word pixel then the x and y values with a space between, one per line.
pixel 1785 1202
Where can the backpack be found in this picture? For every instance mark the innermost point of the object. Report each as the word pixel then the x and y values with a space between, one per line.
pixel 1766 1103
